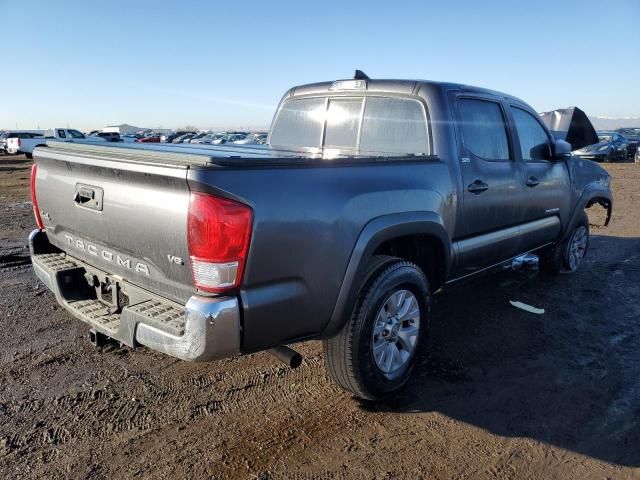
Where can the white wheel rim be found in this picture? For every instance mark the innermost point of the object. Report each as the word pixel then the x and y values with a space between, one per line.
pixel 395 331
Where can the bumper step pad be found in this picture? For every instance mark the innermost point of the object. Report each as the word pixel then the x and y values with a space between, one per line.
pixel 205 328
pixel 164 316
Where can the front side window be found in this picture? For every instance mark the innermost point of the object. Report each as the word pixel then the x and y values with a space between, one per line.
pixel 75 134
pixel 484 132
pixel 534 142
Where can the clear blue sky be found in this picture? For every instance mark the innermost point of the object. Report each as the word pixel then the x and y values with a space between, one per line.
pixel 156 63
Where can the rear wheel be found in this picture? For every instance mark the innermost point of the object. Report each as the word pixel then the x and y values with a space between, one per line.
pixel 28 155
pixel 375 352
pixel 568 255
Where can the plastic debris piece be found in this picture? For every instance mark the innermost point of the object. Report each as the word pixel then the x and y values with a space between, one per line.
pixel 527 308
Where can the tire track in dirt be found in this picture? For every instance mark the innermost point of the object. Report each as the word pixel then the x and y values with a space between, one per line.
pixel 101 413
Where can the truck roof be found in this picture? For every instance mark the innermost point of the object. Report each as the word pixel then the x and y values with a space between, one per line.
pixel 397 86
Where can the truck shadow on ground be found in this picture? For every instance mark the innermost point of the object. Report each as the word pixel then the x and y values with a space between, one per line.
pixel 568 377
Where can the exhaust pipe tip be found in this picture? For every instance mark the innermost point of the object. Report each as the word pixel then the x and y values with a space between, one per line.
pixel 287 356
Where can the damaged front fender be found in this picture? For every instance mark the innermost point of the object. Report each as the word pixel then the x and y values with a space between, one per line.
pixel 591 184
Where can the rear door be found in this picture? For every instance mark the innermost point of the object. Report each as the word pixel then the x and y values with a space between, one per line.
pixel 546 198
pixel 492 183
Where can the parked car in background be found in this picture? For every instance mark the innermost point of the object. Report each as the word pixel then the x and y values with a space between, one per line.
pixel 253 138
pixel 169 138
pixel 219 139
pixel 633 136
pixel 130 137
pixel 149 139
pixel 338 230
pixel 18 134
pixel 612 147
pixel 27 144
pixel 182 138
pixel 206 138
pixel 108 136
pixel 197 136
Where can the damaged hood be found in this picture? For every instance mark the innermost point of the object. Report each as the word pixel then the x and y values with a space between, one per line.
pixel 571 125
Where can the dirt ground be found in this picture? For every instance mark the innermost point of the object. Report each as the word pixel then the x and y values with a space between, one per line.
pixel 503 394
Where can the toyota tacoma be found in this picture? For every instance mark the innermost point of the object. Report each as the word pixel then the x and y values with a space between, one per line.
pixel 369 196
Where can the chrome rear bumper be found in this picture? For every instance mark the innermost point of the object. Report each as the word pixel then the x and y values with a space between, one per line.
pixel 206 328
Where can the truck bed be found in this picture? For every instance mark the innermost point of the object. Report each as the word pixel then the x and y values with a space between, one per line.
pixel 186 155
pixel 174 155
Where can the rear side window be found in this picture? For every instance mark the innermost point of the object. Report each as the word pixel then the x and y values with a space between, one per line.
pixel 484 132
pixel 534 142
pixel 61 134
pixel 299 123
pixel 394 126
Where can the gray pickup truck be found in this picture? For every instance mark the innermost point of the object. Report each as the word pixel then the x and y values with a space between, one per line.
pixel 370 196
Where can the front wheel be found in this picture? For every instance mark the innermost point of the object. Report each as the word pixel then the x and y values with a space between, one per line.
pixel 375 352
pixel 568 255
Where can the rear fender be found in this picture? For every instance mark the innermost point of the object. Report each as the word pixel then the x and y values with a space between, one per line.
pixel 374 234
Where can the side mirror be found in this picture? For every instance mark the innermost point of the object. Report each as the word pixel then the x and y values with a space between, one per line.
pixel 560 150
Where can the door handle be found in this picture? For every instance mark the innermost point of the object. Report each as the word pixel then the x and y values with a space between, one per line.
pixel 532 182
pixel 478 187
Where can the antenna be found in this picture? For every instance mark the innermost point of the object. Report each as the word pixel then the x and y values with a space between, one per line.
pixel 360 75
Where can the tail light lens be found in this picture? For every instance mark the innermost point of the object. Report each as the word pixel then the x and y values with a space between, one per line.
pixel 34 200
pixel 219 231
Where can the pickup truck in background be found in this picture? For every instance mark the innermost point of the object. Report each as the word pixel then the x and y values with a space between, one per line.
pixel 369 196
pixel 6 135
pixel 27 144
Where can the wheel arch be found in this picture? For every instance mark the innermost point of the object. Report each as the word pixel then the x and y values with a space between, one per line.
pixel 398 235
pixel 591 195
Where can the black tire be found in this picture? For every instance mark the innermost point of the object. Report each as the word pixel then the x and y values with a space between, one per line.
pixel 556 259
pixel 28 155
pixel 349 355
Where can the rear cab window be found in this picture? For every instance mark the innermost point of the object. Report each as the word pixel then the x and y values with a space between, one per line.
pixel 359 125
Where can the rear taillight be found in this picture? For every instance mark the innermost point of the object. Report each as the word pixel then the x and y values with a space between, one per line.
pixel 34 200
pixel 19 142
pixel 219 231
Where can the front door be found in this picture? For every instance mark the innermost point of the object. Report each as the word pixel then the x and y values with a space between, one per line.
pixel 487 231
pixel 546 198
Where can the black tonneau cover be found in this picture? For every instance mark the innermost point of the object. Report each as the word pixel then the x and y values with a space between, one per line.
pixel 572 125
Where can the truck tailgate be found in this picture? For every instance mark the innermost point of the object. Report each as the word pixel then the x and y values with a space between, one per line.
pixel 124 213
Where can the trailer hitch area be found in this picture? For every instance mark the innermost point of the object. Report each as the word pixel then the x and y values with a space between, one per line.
pixel 98 339
pixel 108 292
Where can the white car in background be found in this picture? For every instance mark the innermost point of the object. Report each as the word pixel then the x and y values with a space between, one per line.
pixel 26 145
